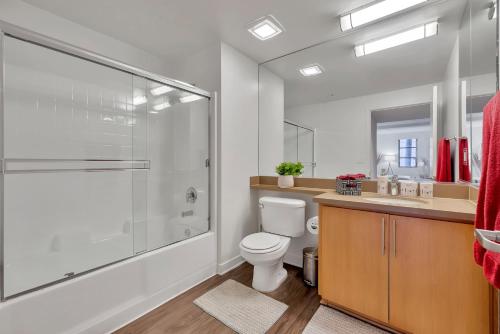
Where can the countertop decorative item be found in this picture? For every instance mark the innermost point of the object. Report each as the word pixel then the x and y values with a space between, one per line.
pixel 408 188
pixel 286 171
pixel 383 185
pixel 350 184
pixel 426 189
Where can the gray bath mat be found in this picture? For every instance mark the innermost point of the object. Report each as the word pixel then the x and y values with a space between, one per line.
pixel 242 309
pixel 329 321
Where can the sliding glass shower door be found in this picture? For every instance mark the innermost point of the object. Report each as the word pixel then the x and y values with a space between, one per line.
pixel 299 146
pixel 99 165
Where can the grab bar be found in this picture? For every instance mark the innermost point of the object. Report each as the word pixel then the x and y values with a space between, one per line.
pixel 19 166
pixel 488 239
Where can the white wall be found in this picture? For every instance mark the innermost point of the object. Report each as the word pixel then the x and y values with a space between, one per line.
pixel 238 153
pixel 234 149
pixel 271 117
pixel 343 128
pixel 451 100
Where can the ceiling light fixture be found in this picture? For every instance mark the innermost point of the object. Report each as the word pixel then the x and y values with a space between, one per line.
pixel 311 70
pixel 161 90
pixel 161 106
pixel 374 12
pixel 408 36
pixel 190 98
pixel 266 28
pixel 138 100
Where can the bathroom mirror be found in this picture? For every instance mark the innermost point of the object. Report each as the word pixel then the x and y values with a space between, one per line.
pixel 377 98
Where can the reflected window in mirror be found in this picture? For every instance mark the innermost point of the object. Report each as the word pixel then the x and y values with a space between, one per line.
pixel 408 153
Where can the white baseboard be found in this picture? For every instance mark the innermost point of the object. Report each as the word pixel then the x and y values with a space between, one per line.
pixel 293 259
pixel 228 265
pixel 118 318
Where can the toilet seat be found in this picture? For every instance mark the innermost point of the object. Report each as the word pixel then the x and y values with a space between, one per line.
pixel 261 242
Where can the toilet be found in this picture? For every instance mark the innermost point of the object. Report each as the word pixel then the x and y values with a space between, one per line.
pixel 281 219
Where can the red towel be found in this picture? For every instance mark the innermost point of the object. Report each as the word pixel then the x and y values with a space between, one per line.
pixel 488 205
pixel 463 165
pixel 443 161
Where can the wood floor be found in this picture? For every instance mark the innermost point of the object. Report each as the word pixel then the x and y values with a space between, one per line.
pixel 180 315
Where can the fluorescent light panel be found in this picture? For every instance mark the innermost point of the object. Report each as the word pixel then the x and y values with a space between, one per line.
pixel 190 98
pixel 161 106
pixel 266 28
pixel 408 36
pixel 311 70
pixel 138 100
pixel 375 12
pixel 161 90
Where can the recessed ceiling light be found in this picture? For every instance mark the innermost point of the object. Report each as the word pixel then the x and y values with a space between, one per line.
pixel 138 100
pixel 411 35
pixel 161 90
pixel 375 11
pixel 266 28
pixel 311 70
pixel 190 98
pixel 161 106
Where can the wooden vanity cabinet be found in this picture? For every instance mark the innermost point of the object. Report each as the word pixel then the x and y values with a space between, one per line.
pixel 354 260
pixel 411 274
pixel 435 285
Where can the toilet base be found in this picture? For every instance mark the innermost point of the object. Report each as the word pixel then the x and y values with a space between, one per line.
pixel 268 278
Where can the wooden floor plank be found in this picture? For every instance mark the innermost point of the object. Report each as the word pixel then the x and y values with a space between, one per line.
pixel 180 315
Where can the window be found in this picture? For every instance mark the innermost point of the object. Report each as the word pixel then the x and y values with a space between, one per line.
pixel 408 153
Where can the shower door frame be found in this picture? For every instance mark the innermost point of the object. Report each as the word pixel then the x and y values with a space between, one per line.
pixel 313 162
pixel 10 30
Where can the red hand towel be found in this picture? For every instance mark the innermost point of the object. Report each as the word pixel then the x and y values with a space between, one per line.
pixel 463 167
pixel 488 205
pixel 443 161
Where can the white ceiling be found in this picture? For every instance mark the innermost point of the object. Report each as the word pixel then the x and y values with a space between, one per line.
pixel 177 28
pixel 418 63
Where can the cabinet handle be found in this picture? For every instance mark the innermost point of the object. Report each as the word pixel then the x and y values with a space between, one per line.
pixel 383 236
pixel 394 238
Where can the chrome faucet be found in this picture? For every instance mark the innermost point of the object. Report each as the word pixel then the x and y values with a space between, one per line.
pixel 394 185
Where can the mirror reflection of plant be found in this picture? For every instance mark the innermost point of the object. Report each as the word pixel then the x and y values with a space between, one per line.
pixel 290 168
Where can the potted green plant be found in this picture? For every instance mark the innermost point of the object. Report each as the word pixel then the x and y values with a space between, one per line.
pixel 286 171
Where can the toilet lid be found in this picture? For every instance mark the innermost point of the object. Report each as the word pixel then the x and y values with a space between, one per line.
pixel 260 241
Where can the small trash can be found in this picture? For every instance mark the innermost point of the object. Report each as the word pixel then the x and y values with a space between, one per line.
pixel 310 265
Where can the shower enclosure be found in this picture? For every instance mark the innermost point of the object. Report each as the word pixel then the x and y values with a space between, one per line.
pixel 299 146
pixel 100 162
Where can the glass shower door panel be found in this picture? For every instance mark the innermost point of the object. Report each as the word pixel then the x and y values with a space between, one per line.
pixel 68 185
pixel 62 107
pixel 305 152
pixel 178 190
pixel 139 126
pixel 60 224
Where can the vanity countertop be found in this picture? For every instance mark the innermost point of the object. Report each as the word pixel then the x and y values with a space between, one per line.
pixel 449 209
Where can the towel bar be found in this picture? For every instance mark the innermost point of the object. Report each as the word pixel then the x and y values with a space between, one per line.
pixel 488 239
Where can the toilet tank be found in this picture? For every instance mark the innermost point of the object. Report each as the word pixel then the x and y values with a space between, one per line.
pixel 283 216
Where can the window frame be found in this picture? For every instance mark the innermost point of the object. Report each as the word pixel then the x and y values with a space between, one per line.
pixel 411 157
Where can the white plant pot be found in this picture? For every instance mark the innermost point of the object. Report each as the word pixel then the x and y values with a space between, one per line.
pixel 285 181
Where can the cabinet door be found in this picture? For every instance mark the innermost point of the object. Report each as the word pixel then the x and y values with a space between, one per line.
pixel 435 286
pixel 354 260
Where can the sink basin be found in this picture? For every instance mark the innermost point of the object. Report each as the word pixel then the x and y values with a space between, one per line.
pixel 396 201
